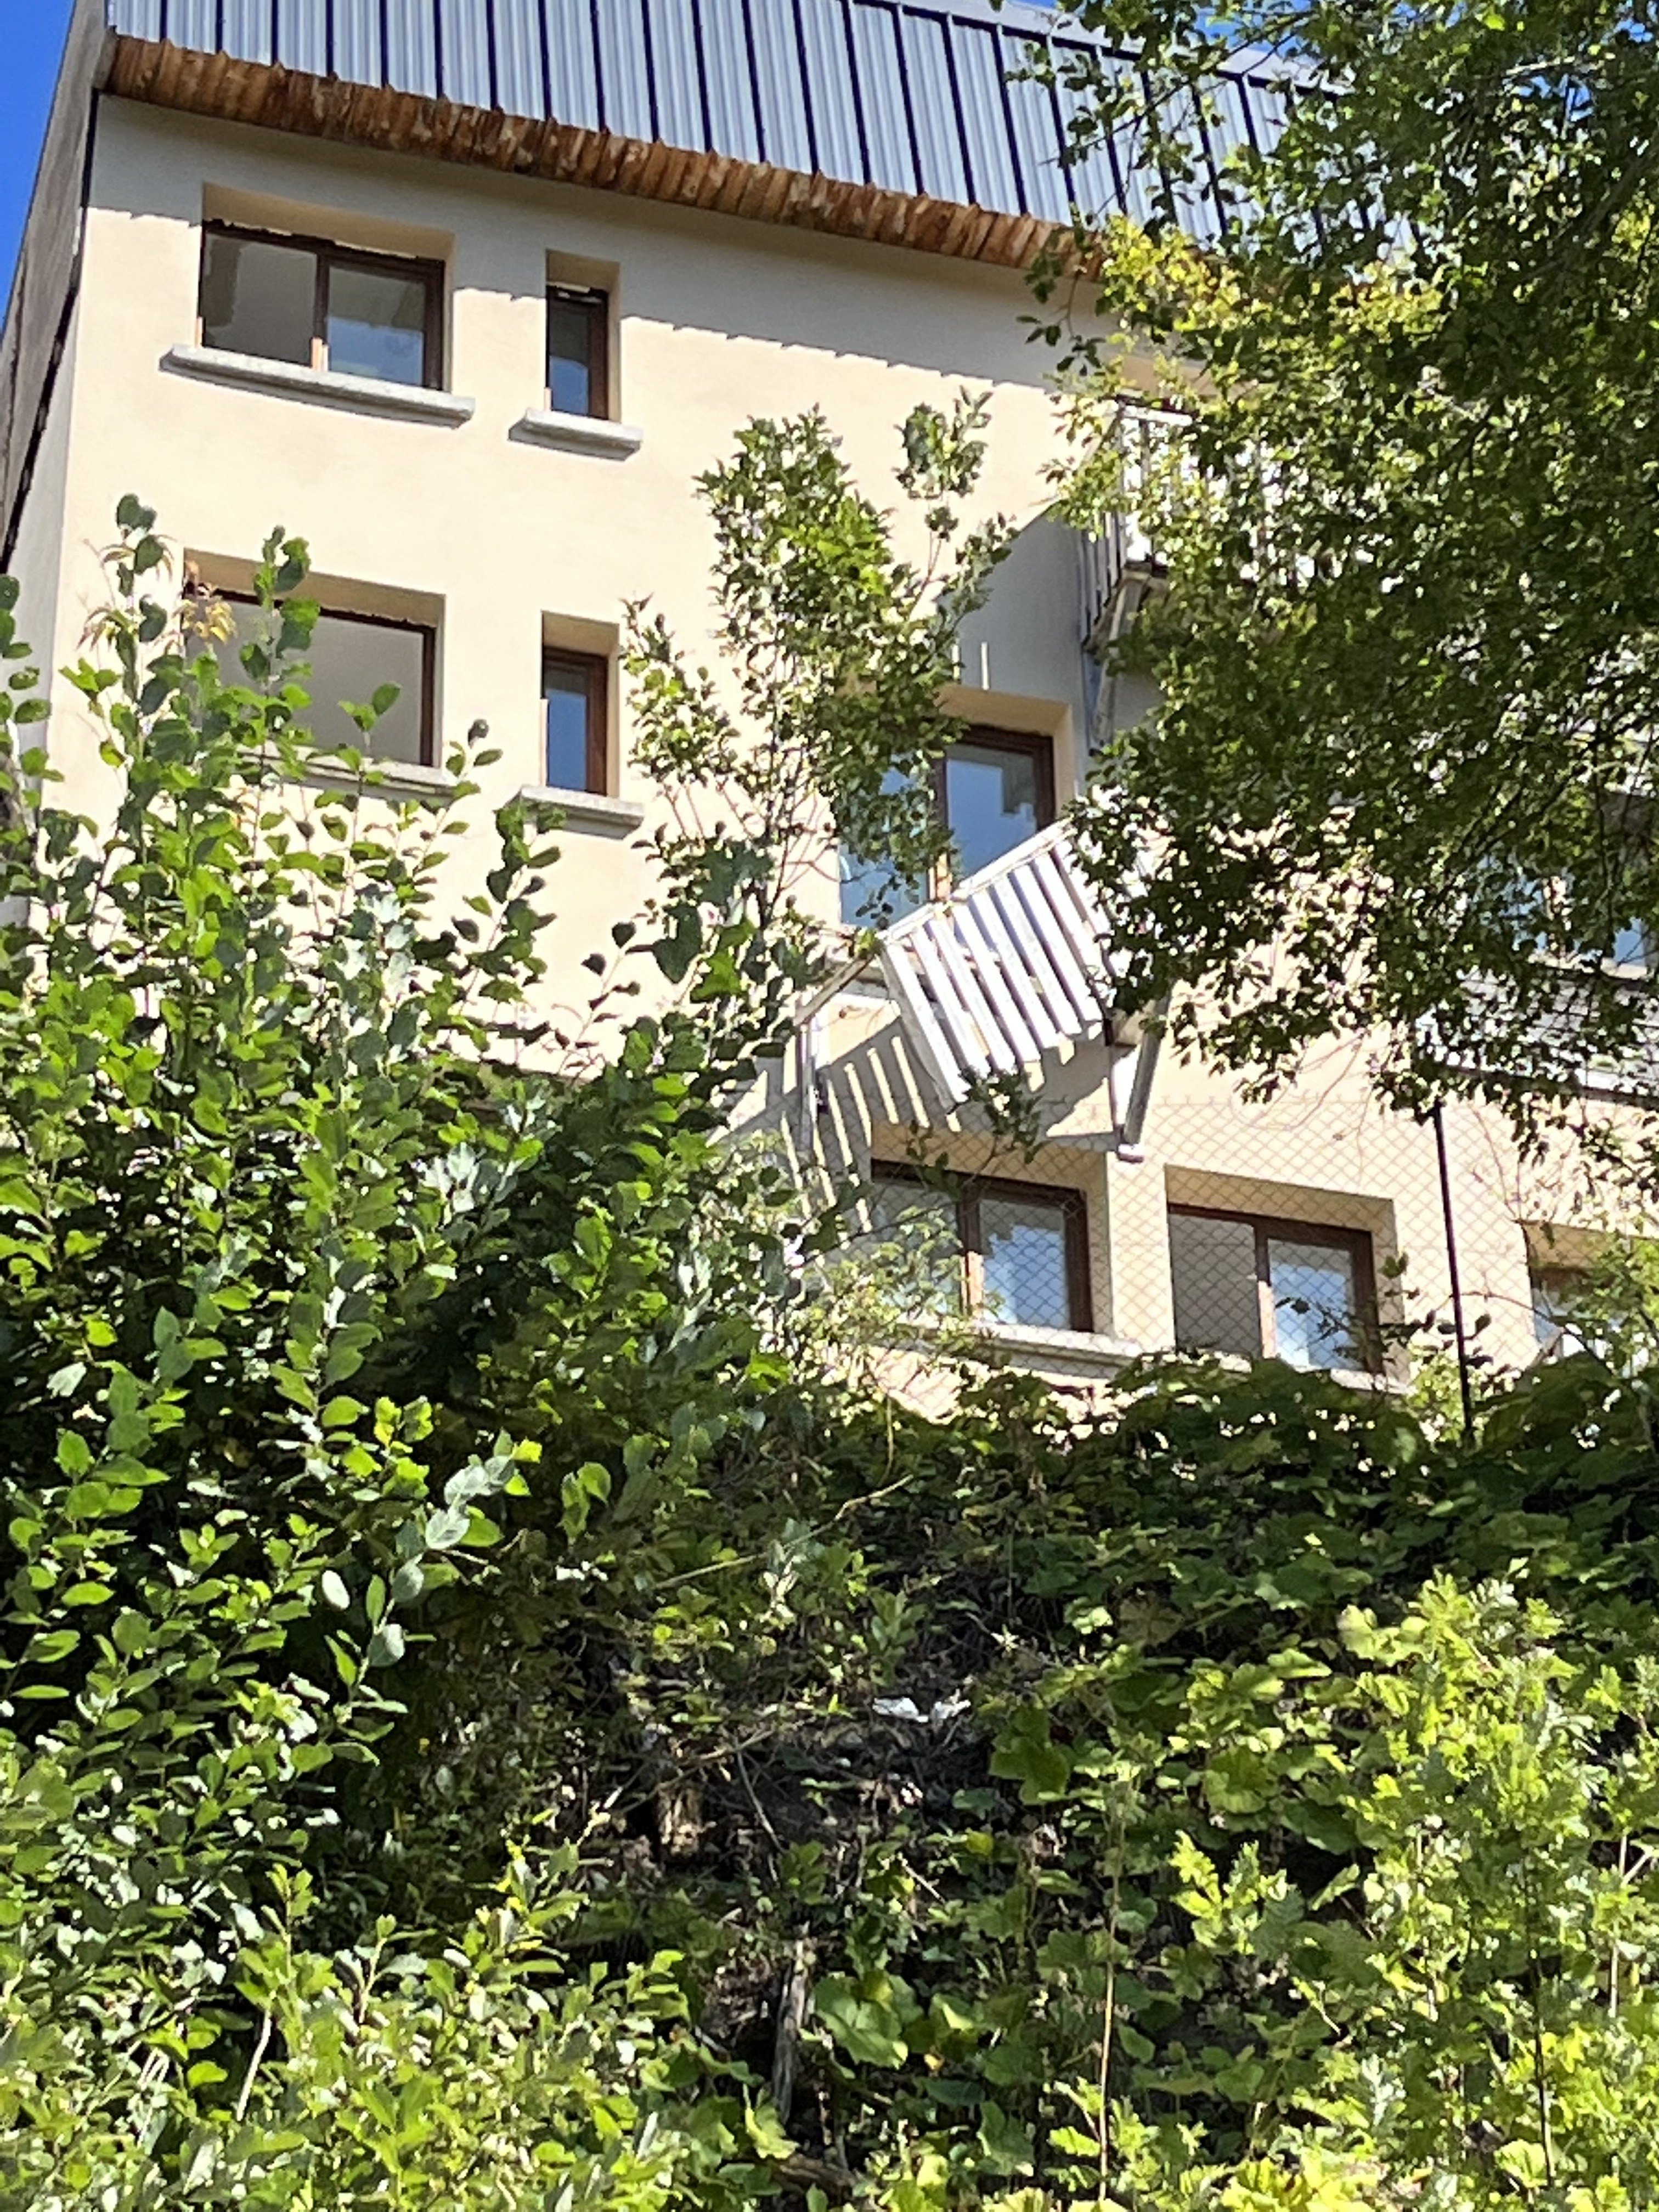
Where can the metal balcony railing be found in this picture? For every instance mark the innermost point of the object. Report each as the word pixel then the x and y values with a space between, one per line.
pixel 1121 564
pixel 1014 965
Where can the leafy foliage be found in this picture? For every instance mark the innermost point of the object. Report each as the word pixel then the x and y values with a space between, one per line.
pixel 1398 781
pixel 488 1723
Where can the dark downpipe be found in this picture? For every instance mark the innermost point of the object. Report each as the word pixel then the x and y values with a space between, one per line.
pixel 1464 1384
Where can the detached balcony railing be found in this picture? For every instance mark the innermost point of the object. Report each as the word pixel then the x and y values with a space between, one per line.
pixel 1013 966
pixel 1123 564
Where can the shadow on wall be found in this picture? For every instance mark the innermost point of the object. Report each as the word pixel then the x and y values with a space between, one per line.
pixel 684 268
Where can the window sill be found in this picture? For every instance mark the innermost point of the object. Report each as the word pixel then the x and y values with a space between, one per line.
pixel 365 395
pixel 587 810
pixel 579 433
pixel 382 779
pixel 1075 1350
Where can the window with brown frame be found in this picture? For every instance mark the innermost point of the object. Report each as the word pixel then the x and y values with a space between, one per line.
pixel 1262 1287
pixel 1019 1251
pixel 992 790
pixel 322 306
pixel 575 694
pixel 578 351
pixel 353 656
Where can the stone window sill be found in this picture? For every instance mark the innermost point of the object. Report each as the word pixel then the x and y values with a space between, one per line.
pixel 382 779
pixel 1077 1351
pixel 587 810
pixel 579 433
pixel 364 395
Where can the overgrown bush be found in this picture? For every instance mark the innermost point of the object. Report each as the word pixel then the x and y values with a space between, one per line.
pixel 487 1724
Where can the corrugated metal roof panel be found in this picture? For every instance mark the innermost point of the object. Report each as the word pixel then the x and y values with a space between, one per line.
pixel 302 30
pixel 785 112
pixel 729 78
pixel 626 105
pixel 411 46
pixel 676 65
pixel 910 95
pixel 987 136
pixel 519 86
pixel 573 63
pixel 834 109
pixel 247 30
pixel 879 62
pixel 357 55
pixel 192 23
pixel 465 39
pixel 935 109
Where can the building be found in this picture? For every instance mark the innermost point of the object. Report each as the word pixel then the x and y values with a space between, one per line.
pixel 469 292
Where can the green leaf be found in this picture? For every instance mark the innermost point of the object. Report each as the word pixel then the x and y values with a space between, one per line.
pixel 866 2018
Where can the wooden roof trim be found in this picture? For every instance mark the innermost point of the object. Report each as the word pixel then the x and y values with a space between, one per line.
pixel 278 99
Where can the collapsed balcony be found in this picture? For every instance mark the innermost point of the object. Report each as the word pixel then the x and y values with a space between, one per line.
pixel 1013 966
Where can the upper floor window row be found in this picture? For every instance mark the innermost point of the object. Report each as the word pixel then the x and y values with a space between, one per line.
pixel 313 304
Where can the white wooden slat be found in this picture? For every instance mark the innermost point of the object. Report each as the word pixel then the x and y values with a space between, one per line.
pixel 937 1054
pixel 1111 961
pixel 1019 967
pixel 997 1051
pixel 953 1015
pixel 1013 966
pixel 999 978
pixel 1004 897
pixel 1075 910
pixel 1080 920
pixel 1066 965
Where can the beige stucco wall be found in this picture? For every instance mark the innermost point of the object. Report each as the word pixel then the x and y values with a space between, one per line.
pixel 719 321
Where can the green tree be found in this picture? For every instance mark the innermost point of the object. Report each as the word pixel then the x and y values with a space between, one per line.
pixel 1398 782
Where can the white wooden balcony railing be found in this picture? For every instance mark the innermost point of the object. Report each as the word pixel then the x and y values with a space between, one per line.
pixel 1014 965
pixel 1123 564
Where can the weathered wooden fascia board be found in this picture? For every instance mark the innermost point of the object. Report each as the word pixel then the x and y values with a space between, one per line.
pixel 278 99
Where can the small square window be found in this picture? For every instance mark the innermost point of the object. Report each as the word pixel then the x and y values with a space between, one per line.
pixel 1281 1290
pixel 351 656
pixel 992 791
pixel 578 351
pixel 575 689
pixel 996 788
pixel 321 306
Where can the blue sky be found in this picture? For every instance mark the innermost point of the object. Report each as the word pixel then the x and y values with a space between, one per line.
pixel 30 37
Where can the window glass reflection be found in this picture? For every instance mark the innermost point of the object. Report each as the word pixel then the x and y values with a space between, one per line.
pixel 1023 1249
pixel 351 658
pixel 571 349
pixel 258 298
pixel 565 690
pixel 377 325
pixel 990 802
pixel 1316 1308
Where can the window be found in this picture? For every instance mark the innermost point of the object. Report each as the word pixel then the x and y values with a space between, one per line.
pixel 1280 1289
pixel 995 789
pixel 322 306
pixel 576 687
pixel 351 657
pixel 1557 1295
pixel 992 791
pixel 578 351
pixel 1013 1251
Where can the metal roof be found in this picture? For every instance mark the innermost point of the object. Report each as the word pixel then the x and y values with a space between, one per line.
pixel 923 97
